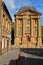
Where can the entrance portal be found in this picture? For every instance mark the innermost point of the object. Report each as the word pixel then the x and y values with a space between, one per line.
pixel 28 38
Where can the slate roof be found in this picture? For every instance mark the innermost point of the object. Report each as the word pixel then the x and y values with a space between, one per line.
pixel 6 9
pixel 27 8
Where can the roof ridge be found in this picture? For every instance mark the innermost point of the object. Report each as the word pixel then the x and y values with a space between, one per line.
pixel 5 7
pixel 26 8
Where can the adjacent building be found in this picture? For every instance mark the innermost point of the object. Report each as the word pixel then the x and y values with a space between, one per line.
pixel 5 28
pixel 27 28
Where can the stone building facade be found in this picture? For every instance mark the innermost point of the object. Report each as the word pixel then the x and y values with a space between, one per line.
pixel 27 28
pixel 5 28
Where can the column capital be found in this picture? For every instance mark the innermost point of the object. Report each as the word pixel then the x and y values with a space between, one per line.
pixel 34 17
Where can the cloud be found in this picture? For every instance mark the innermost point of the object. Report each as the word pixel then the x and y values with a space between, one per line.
pixel 11 3
pixel 14 5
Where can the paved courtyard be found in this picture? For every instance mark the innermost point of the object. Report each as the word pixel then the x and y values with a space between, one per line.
pixel 10 57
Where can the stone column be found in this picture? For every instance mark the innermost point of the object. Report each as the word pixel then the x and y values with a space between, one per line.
pixel 16 32
pixel 17 37
pixel 23 32
pixel 24 26
pixel 32 33
pixel 17 27
pixel 32 30
pixel 39 34
pixel 39 28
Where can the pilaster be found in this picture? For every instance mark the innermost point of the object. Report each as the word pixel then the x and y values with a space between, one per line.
pixel 17 27
pixel 0 26
pixel 39 34
pixel 32 30
pixel 24 26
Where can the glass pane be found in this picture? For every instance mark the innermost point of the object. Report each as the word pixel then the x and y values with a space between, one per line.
pixel 27 29
pixel 27 21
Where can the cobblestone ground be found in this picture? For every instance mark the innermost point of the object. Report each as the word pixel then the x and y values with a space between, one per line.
pixel 10 57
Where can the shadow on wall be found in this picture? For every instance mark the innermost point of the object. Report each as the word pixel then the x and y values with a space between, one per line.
pixel 26 61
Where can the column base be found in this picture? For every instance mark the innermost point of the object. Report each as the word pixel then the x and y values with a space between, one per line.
pixel 39 42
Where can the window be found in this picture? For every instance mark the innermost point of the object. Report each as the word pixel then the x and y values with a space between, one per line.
pixel 20 44
pixel 36 21
pixel 6 19
pixel 35 31
pixel 27 21
pixel 8 26
pixel 20 31
pixel 27 29
pixel 20 22
pixel 3 15
pixel 36 44
pixel 3 22
pixel 35 28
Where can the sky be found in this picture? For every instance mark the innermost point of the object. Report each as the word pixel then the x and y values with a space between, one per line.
pixel 14 6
